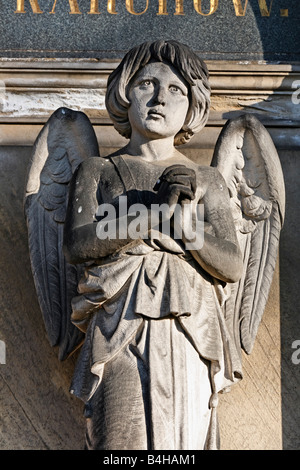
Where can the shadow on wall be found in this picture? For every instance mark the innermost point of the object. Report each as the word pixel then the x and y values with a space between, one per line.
pixel 279 111
pixel 289 255
pixel 290 303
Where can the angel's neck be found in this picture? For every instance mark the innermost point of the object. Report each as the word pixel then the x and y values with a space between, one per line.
pixel 151 150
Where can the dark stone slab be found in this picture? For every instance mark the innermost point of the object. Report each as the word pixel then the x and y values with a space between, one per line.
pixel 268 30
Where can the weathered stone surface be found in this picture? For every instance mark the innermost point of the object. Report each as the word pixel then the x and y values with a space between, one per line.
pixel 266 402
pixel 36 408
pixel 251 414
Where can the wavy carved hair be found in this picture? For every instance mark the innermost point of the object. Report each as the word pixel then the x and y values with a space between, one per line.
pixel 180 56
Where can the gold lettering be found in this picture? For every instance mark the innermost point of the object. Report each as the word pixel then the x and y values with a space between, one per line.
pixel 162 7
pixel 129 7
pixel 264 8
pixel 34 6
pixel 213 7
pixel 74 8
pixel 284 12
pixel 179 7
pixel 239 10
pixel 111 7
pixel 94 9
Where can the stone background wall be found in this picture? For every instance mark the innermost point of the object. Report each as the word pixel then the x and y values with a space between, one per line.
pixel 36 409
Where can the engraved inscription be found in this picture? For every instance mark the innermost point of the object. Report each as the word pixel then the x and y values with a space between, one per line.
pixel 207 8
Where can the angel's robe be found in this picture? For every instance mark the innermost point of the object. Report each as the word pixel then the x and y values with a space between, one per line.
pixel 157 350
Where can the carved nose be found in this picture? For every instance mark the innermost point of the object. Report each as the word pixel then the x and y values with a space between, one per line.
pixel 160 96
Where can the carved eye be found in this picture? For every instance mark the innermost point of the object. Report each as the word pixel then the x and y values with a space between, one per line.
pixel 146 83
pixel 175 89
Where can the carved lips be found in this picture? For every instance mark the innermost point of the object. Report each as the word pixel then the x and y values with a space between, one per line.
pixel 155 113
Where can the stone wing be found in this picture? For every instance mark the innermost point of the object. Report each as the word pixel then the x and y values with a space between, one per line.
pixel 247 158
pixel 63 143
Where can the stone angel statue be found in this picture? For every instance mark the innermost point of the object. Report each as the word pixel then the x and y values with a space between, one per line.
pixel 160 322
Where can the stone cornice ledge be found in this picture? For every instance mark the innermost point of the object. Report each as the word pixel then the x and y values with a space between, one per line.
pixel 31 89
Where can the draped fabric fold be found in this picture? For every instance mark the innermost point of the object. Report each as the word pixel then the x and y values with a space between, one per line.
pixel 132 302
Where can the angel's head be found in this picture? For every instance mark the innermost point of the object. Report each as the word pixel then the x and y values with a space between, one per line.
pixel 183 62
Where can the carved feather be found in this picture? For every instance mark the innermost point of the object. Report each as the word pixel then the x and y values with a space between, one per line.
pixel 246 157
pixel 64 142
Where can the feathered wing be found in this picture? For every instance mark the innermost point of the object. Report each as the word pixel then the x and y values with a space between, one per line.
pixel 247 158
pixel 63 143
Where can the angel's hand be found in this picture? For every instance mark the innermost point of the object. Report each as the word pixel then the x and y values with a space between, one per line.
pixel 176 184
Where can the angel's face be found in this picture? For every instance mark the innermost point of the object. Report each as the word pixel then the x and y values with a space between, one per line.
pixel 159 101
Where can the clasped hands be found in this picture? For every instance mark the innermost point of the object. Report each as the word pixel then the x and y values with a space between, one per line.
pixel 176 185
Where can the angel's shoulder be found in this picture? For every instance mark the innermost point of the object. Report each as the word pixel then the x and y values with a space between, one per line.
pixel 210 178
pixel 93 167
pixel 207 171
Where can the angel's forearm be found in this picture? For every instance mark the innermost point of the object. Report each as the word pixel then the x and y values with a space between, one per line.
pixel 82 245
pixel 95 240
pixel 220 258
